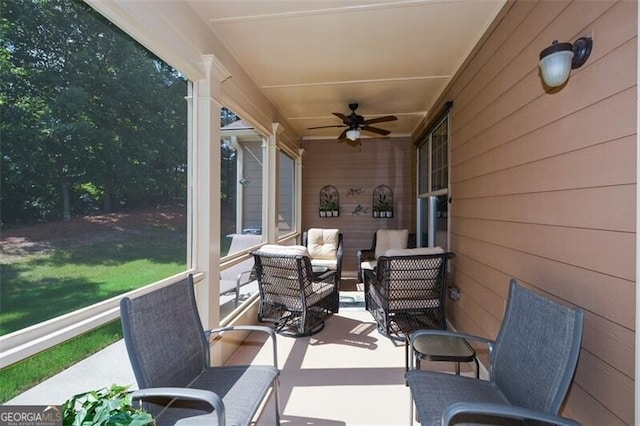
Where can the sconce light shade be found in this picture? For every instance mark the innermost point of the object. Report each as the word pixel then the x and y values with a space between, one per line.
pixel 353 134
pixel 555 63
pixel 557 60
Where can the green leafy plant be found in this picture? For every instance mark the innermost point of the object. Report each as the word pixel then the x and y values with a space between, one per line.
pixel 108 407
pixel 384 202
pixel 327 201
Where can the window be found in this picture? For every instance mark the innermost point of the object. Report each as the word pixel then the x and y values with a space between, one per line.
pixel 242 152
pixel 286 194
pixel 94 161
pixel 433 187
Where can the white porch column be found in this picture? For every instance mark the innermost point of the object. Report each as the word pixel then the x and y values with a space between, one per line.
pixel 206 190
pixel 270 202
pixel 298 194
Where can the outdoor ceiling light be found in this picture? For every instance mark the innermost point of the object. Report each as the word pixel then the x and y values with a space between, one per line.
pixel 353 134
pixel 557 60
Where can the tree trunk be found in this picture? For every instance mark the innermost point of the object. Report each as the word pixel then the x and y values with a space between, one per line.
pixel 107 199
pixel 66 200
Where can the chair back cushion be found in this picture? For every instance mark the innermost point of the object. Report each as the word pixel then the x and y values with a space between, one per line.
pixel 323 243
pixel 164 336
pixel 390 239
pixel 536 350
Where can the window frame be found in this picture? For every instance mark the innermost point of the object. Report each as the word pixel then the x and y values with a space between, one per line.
pixel 426 201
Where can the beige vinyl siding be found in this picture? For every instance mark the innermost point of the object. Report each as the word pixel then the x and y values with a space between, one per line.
pixel 377 162
pixel 286 196
pixel 544 187
pixel 252 193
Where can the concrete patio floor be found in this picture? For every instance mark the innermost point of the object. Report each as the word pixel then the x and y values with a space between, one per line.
pixel 332 378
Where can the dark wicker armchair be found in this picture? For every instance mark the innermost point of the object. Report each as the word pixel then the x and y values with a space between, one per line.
pixel 292 296
pixel 406 291
pixel 389 239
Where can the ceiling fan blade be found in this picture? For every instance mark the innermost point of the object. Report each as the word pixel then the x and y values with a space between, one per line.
pixel 375 130
pixel 343 134
pixel 325 127
pixel 380 119
pixel 344 118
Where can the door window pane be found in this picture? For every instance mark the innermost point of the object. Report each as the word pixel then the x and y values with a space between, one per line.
pixel 439 162
pixel 441 221
pixel 433 187
pixel 423 168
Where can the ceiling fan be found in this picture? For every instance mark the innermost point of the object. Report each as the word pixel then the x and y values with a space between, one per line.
pixel 354 123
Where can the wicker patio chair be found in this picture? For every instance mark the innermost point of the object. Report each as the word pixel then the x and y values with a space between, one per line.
pixel 292 296
pixel 406 291
pixel 169 353
pixel 532 363
pixel 325 249
pixel 383 240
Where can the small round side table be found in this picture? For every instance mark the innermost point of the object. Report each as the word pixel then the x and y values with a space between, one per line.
pixel 444 348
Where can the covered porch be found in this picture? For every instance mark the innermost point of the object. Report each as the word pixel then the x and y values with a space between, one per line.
pixel 541 183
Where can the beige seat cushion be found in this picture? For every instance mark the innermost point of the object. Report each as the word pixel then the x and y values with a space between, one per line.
pixel 328 263
pixel 387 239
pixel 313 295
pixel 369 264
pixel 323 244
pixel 284 250
pixel 414 251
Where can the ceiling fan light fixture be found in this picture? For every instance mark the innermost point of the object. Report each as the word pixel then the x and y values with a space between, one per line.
pixel 355 124
pixel 353 134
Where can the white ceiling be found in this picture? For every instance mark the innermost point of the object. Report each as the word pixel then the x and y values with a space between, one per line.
pixel 314 57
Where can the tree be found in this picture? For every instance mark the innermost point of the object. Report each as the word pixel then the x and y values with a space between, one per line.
pixel 87 114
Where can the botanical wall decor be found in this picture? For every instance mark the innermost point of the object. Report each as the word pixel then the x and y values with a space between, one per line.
pixel 329 201
pixel 360 210
pixel 382 202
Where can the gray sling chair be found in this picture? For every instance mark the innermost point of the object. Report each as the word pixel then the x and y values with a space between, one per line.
pixel 169 353
pixel 532 363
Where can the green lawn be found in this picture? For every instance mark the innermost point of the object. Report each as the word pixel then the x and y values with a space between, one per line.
pixel 46 285
pixel 25 374
pixel 73 272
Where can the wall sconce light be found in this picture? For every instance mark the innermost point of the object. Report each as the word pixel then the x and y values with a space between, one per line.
pixel 353 134
pixel 557 60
